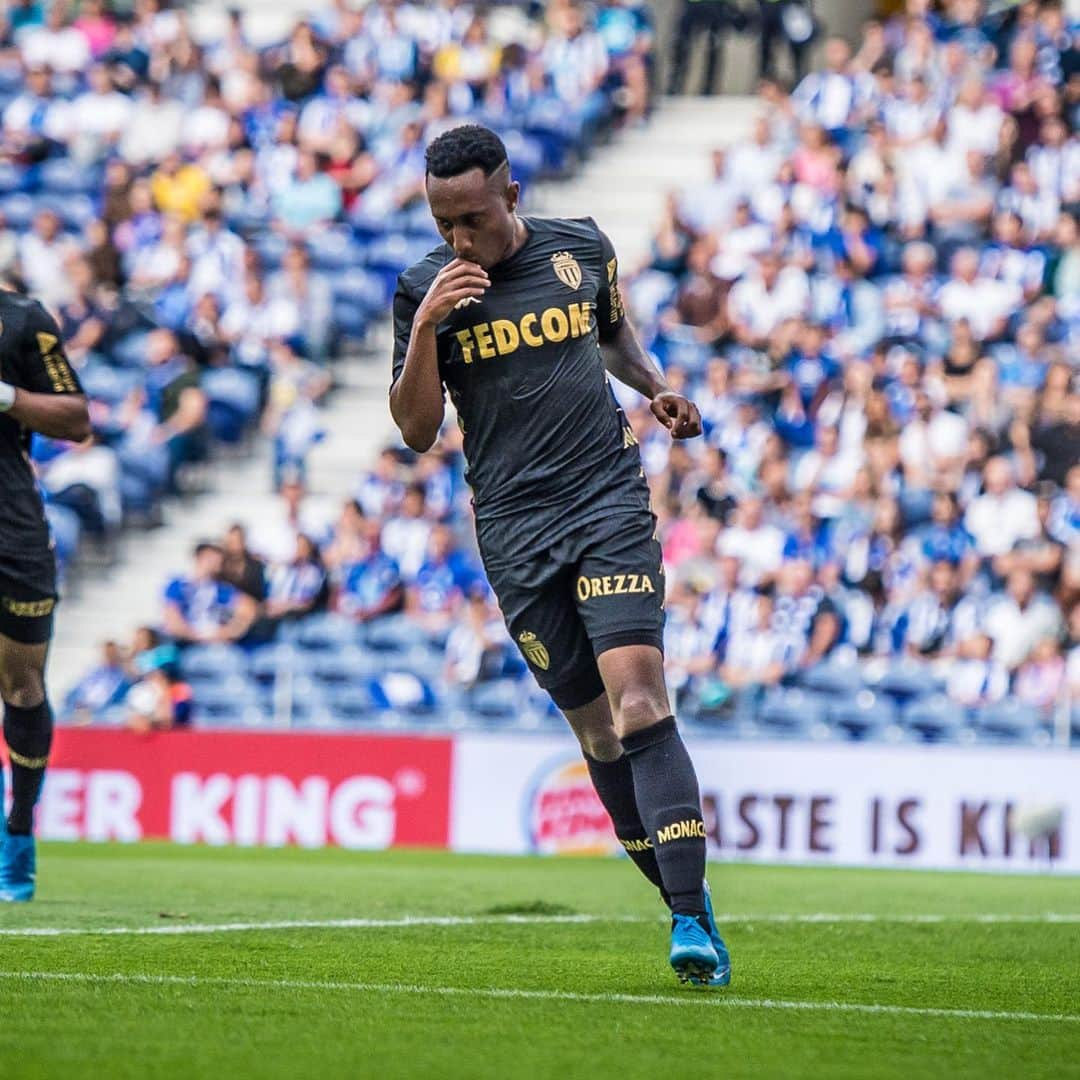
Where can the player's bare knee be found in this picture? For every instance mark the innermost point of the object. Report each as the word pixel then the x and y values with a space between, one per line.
pixel 637 708
pixel 22 693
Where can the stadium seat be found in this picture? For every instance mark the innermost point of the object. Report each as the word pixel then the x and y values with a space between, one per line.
pixel 864 715
pixel 321 632
pixel 1007 721
pixel 62 176
pixel 935 717
pixel 790 712
pixel 834 676
pixel 212 662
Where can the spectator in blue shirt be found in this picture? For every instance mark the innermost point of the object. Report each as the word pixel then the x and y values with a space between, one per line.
pixel 201 608
pixel 311 197
pixel 370 586
pixel 101 687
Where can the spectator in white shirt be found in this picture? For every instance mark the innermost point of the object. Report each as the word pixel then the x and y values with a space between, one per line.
pixel 975 678
pixel 1020 618
pixel 828 473
pixel 765 298
pixel 932 446
pixel 983 303
pixel 829 97
pixel 757 654
pixel 42 254
pixel 98 117
pixel 254 320
pixel 757 545
pixel 405 536
pixel 1003 514
pixel 975 121
pixel 56 43
pixel 753 164
pixel 154 129
pixel 1038 209
pixel 35 117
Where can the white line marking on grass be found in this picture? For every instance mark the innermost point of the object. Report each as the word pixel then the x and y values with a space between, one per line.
pixel 914 918
pixel 404 922
pixel 717 1001
pixel 408 921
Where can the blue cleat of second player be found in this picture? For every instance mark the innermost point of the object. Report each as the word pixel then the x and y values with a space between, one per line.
pixel 722 975
pixel 692 954
pixel 18 869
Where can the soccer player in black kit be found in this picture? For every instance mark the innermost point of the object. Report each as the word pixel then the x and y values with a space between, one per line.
pixel 38 392
pixel 519 320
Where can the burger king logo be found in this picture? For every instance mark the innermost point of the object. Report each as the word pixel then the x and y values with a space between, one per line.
pixel 564 815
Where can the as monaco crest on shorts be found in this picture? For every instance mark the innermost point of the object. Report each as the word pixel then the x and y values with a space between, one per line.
pixel 567 269
pixel 535 651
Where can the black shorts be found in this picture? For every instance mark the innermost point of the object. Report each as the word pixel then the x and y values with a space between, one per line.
pixel 26 614
pixel 599 588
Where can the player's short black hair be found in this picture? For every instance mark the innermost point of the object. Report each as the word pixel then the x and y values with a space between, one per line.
pixel 460 149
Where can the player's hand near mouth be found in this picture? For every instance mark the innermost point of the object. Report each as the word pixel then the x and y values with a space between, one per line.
pixel 416 399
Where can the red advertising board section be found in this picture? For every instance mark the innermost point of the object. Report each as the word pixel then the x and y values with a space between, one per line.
pixel 356 791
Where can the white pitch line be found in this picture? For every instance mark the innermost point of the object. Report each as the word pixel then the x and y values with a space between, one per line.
pixel 717 1001
pixel 404 922
pixel 411 921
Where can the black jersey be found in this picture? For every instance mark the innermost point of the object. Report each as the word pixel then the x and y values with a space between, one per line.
pixel 31 358
pixel 547 446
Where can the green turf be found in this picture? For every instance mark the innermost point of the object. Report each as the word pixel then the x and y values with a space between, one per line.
pixel 53 1028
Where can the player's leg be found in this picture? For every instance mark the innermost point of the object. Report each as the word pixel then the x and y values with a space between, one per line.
pixel 28 726
pixel 613 778
pixel 619 591
pixel 536 600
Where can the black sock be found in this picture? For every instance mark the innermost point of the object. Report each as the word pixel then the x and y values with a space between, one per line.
pixel 614 783
pixel 666 790
pixel 28 734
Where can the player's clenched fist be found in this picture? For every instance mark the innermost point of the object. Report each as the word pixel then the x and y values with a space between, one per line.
pixel 678 414
pixel 458 280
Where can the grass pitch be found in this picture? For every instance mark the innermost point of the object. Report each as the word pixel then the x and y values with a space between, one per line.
pixel 166 962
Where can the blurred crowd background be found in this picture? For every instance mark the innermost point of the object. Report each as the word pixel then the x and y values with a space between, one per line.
pixel 875 301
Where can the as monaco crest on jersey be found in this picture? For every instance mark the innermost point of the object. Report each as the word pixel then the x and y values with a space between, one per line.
pixel 567 269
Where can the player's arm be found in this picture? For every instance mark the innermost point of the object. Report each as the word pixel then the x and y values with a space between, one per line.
pixel 416 396
pixel 46 396
pixel 626 359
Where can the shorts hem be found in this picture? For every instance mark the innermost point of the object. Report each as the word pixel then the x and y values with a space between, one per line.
pixel 601 643
pixel 579 690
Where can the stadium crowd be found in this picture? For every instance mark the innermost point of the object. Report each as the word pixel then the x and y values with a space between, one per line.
pixel 876 303
pixel 209 219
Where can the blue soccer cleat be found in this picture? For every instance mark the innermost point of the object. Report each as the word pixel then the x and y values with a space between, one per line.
pixel 18 869
pixel 722 975
pixel 692 954
pixel 3 816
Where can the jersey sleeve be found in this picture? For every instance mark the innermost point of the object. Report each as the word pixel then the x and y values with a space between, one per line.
pixel 609 305
pixel 405 305
pixel 42 364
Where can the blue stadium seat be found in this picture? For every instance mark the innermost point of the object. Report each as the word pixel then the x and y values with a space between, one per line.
pixel 1007 721
pixel 62 176
pixel 498 700
pixel 864 715
pixel 233 402
pixel 334 249
pixel 213 662
pixel 935 717
pixel 348 666
pixel 329 631
pixel 360 288
pixel 834 676
pixel 12 178
pixel 791 711
pixel 18 211
pixel 393 634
